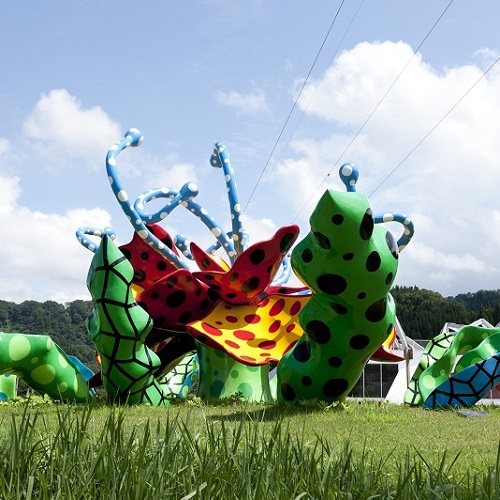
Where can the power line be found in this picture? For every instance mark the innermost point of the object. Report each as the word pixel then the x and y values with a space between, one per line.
pixel 294 104
pixel 376 107
pixel 309 102
pixel 434 127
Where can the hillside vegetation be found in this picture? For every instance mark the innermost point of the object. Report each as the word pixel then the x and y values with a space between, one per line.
pixel 422 314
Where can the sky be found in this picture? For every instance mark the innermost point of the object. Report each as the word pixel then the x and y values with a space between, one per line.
pixel 408 91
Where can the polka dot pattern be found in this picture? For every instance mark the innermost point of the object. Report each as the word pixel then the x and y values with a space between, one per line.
pixel 42 365
pixel 253 270
pixel 349 263
pixel 176 300
pixel 149 266
pixel 254 335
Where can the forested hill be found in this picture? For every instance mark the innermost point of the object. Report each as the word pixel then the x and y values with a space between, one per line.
pixel 64 323
pixel 422 314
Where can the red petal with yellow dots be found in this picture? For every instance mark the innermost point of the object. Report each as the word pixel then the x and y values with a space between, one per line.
pixel 149 266
pixel 253 270
pixel 253 334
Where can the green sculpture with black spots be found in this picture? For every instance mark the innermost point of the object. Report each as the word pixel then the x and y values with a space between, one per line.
pixel 349 263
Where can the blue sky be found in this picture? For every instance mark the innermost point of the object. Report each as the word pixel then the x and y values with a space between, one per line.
pixel 77 74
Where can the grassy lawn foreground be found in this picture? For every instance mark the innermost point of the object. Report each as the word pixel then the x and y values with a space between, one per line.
pixel 240 450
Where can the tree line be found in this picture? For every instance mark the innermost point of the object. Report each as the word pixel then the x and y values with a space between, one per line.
pixel 65 323
pixel 422 313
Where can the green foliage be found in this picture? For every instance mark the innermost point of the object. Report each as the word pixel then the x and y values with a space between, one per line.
pixel 423 313
pixel 250 451
pixel 65 323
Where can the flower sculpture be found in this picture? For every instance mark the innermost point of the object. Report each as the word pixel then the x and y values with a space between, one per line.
pixel 240 313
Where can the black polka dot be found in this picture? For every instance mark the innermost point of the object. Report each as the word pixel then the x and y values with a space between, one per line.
pixel 286 242
pixel 335 362
pixel 212 294
pixel 388 279
pixel 204 304
pixel 335 387
pixel 318 331
pixel 205 263
pixel 154 295
pixel 302 352
pixel 323 240
pixel 307 255
pixel 307 381
pixel 338 308
pixel 287 392
pixel 139 275
pixel 175 299
pixel 214 286
pixel 257 256
pixel 231 295
pixel 361 295
pixel 145 255
pixel 198 292
pixel 359 342
pixel 367 225
pixel 391 243
pixel 376 311
pixel 337 219
pixel 348 256
pixel 250 284
pixel 332 284
pixel 373 262
pixel 161 265
pixel 233 276
pixel 209 277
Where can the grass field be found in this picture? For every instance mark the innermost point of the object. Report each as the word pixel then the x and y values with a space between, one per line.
pixel 245 451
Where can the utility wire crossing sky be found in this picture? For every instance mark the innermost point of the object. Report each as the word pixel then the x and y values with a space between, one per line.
pixel 408 91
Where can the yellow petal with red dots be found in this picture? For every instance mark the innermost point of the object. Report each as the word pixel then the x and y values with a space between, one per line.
pixel 253 334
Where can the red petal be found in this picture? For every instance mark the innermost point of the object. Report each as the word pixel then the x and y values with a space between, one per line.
pixel 205 261
pixel 253 270
pixel 176 300
pixel 149 266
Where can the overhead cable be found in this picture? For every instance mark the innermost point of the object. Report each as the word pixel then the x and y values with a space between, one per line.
pixel 294 104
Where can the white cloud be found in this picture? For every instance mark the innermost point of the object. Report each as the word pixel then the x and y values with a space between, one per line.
pixel 249 103
pixel 61 130
pixel 45 260
pixel 447 185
